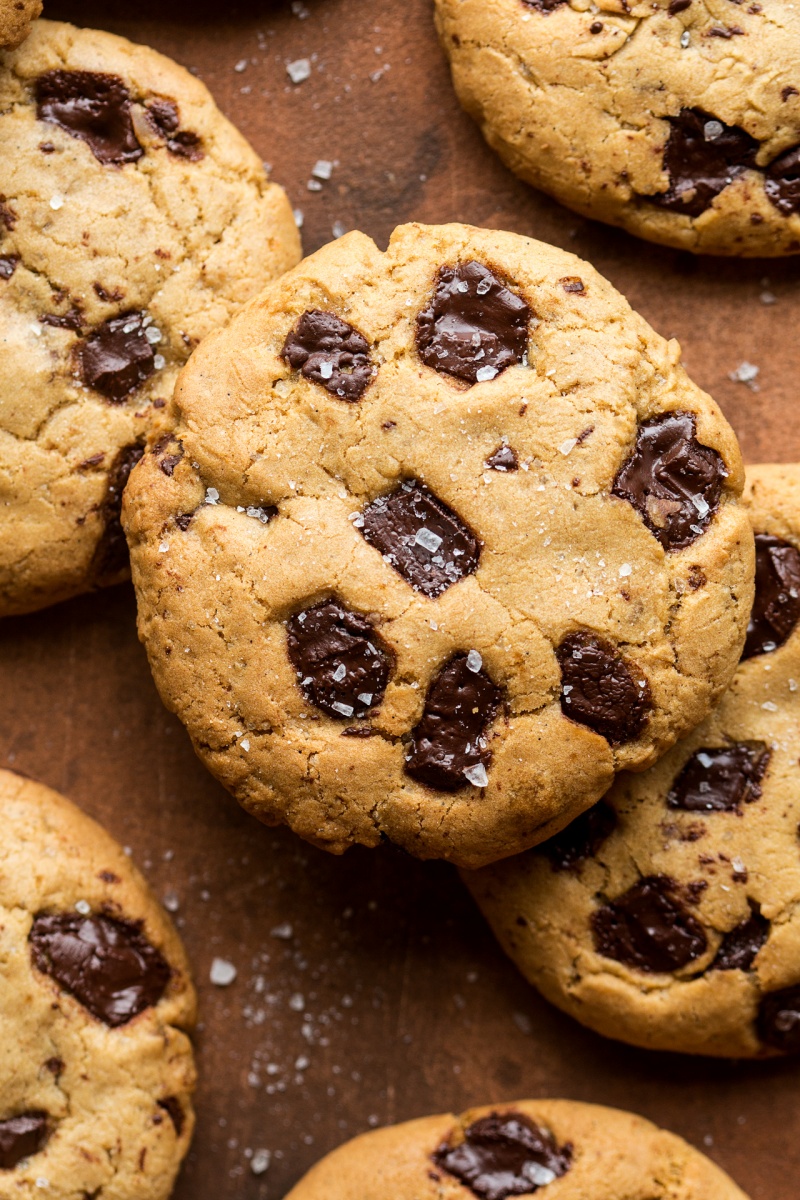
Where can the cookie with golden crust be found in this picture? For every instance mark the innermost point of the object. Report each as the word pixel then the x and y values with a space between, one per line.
pixel 667 915
pixel 444 537
pixel 96 1068
pixel 16 18
pixel 551 1148
pixel 133 220
pixel 678 120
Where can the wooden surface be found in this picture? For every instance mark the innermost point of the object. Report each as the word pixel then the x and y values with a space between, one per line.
pixel 390 999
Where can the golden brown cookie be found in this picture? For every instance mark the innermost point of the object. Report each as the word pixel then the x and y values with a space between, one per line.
pixel 16 18
pixel 133 220
pixel 444 538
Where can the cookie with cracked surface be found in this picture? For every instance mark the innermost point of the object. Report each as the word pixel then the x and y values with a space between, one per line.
pixel 96 1068
pixel 16 18
pixel 370 632
pixel 666 915
pixel 526 1147
pixel 677 120
pixel 133 219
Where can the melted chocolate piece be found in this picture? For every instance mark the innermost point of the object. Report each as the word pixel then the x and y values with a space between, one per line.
pixel 8 265
pixel 474 326
pixel 165 119
pixel 702 156
pixel 93 107
pixel 741 945
pixel 672 481
pixel 184 520
pixel 341 663
pixel 598 689
pixel 423 539
pixel 505 1154
pixel 782 181
pixel 570 849
pixel 71 319
pixel 648 928
pixel 172 1107
pixel 776 607
pixel 720 779
pixel 448 742
pixel 116 357
pixel 779 1019
pixel 503 459
pixel 21 1137
pixel 8 217
pixel 111 555
pixel 327 350
pixel 106 964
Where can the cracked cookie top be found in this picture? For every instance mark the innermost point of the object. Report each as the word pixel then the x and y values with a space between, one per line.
pixel 678 120
pixel 524 1147
pixel 96 1069
pixel 133 220
pixel 666 915
pixel 437 544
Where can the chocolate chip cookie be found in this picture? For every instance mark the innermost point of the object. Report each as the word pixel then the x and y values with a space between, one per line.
pixel 666 916
pixel 16 17
pixel 525 1147
pixel 676 119
pixel 96 1069
pixel 443 538
pixel 133 220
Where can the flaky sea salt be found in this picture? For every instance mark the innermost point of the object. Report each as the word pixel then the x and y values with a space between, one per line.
pixel 625 570
pixel 344 710
pixel 260 1161
pixel 284 931
pixel 339 673
pixel 474 661
pixel 568 446
pixel 477 775
pixel 83 907
pixel 428 539
pixel 299 70
pixel 484 374
pixel 212 496
pixel 222 972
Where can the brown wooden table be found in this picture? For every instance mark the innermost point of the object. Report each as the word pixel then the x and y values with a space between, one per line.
pixel 390 999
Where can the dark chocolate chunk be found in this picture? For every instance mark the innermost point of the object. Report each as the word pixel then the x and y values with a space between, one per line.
pixel 505 1154
pixel 21 1137
pixel 106 964
pixel 341 663
pixel 327 350
pixel 116 357
pixel 184 520
pixel 168 461
pixel 702 156
pixel 677 6
pixel 423 539
pixel 503 459
pixel 741 945
pixel 776 607
pixel 779 1019
pixel 8 217
pixel 8 265
pixel 544 6
pixel 71 319
pixel 165 119
pixel 93 107
pixel 448 750
pixel 111 555
pixel 672 481
pixel 474 326
pixel 172 1107
pixel 573 283
pixel 581 840
pixel 598 688
pixel 782 181
pixel 649 928
pixel 720 779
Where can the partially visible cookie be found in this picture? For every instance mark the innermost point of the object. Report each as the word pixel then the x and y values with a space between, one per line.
pixel 16 18
pixel 667 916
pixel 676 119
pixel 134 219
pixel 96 1069
pixel 563 1149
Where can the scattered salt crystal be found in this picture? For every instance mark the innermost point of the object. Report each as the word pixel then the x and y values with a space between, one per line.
pixel 701 504
pixel 326 370
pixel 152 334
pixel 428 539
pixel 365 698
pixel 474 661
pixel 538 1174
pixel 57 201
pixel 241 65
pixel 222 973
pixel 344 710
pixel 163 548
pixel 737 865
pixel 522 1022
pixel 768 297
pixel 36 329
pixel 770 706
pixel 463 286
pixel 339 229
pixel 685 39
pixel 322 169
pixel 484 374
pixel 568 446
pixel 260 1161
pixel 245 744
pixel 339 673
pixel 746 372
pixel 298 217
pixel 483 287
pixel 159 362
pixel 625 570
pixel 314 185
pixel 212 496
pixel 297 1002
pixel 477 775
pixel 42 1183
pixel 171 902
pixel 299 70
pixel 284 931
pixel 83 907
pixel 713 130
pixel 302 1063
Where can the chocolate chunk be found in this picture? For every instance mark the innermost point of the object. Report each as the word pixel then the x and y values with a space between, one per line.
pixel 574 283
pixel 106 964
pixel 341 663
pixel 168 462
pixel 581 840
pixel 779 1019
pixel 116 357
pixel 325 349
pixel 172 1107
pixel 648 928
pixel 503 459
pixel 8 265
pixel 8 218
pixel 423 539
pixel 782 181
pixel 598 689
pixel 71 319
pixel 165 119
pixel 21 1137
pixel 720 779
pixel 505 1154
pixel 474 326
pixel 677 6
pixel 741 945
pixel 702 156
pixel 672 481
pixel 448 750
pixel 776 607
pixel 95 108
pixel 111 555
pixel 544 6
